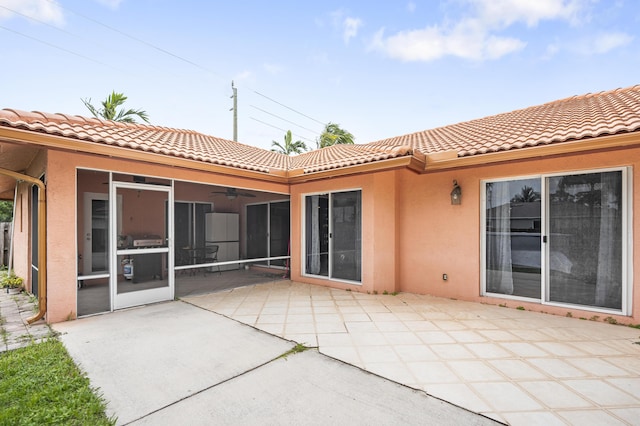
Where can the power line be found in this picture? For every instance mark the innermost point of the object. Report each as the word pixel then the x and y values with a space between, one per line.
pixel 38 21
pixel 283 119
pixel 289 108
pixel 151 45
pixel 139 40
pixel 61 48
pixel 279 128
pixel 102 46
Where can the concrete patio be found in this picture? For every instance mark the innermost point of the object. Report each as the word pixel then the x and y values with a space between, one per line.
pixel 517 367
pixel 175 363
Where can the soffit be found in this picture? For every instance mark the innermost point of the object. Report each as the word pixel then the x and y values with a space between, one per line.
pixel 16 158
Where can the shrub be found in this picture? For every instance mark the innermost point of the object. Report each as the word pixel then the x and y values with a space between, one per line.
pixel 10 280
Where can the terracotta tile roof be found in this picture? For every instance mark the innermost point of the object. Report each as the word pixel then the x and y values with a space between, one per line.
pixel 338 156
pixel 160 140
pixel 577 117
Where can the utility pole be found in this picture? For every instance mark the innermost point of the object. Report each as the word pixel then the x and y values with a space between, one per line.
pixel 235 111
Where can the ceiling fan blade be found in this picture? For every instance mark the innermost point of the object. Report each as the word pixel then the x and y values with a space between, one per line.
pixel 233 192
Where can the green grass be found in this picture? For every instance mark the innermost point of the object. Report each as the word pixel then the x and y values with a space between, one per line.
pixel 40 384
pixel 299 347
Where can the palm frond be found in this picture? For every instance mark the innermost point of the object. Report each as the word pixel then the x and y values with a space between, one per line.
pixel 109 110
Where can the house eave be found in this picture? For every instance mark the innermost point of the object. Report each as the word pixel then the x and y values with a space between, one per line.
pixel 409 161
pixel 13 135
pixel 446 160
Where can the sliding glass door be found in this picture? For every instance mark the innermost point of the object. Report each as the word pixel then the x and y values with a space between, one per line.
pixel 513 244
pixel 189 228
pixel 268 230
pixel 279 230
pixel 558 239
pixel 585 239
pixel 333 235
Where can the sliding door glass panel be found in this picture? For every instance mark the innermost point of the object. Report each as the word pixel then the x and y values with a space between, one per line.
pixel 346 235
pixel 99 235
pixel 189 230
pixel 257 229
pixel 317 234
pixel 333 235
pixel 199 223
pixel 585 239
pixel 513 245
pixel 279 227
pixel 182 231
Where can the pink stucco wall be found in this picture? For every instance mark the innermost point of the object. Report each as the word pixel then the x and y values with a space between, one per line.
pixel 412 234
pixel 435 237
pixel 379 221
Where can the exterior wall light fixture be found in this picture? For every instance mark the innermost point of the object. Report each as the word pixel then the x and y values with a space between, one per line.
pixel 456 194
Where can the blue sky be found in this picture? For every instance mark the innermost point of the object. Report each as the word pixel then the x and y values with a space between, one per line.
pixel 378 69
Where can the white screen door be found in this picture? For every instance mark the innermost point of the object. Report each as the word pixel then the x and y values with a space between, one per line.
pixel 143 259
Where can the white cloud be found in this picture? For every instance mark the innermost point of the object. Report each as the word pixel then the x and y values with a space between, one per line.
pixel 598 44
pixel 112 4
pixel 497 47
pixel 350 26
pixel 42 10
pixel 508 12
pixel 466 40
pixel 476 36
pixel 603 43
pixel 347 25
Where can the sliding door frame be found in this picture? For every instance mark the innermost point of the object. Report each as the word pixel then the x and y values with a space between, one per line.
pixel 626 248
pixel 303 224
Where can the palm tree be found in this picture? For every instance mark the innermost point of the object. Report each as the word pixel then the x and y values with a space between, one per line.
pixel 109 109
pixel 334 135
pixel 527 195
pixel 297 147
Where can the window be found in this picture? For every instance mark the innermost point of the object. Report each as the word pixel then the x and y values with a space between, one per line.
pixel 558 239
pixel 333 236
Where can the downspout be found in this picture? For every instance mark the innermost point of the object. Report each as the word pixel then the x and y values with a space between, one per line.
pixel 42 240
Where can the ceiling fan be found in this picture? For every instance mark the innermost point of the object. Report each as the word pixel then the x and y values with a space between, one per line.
pixel 142 180
pixel 232 193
